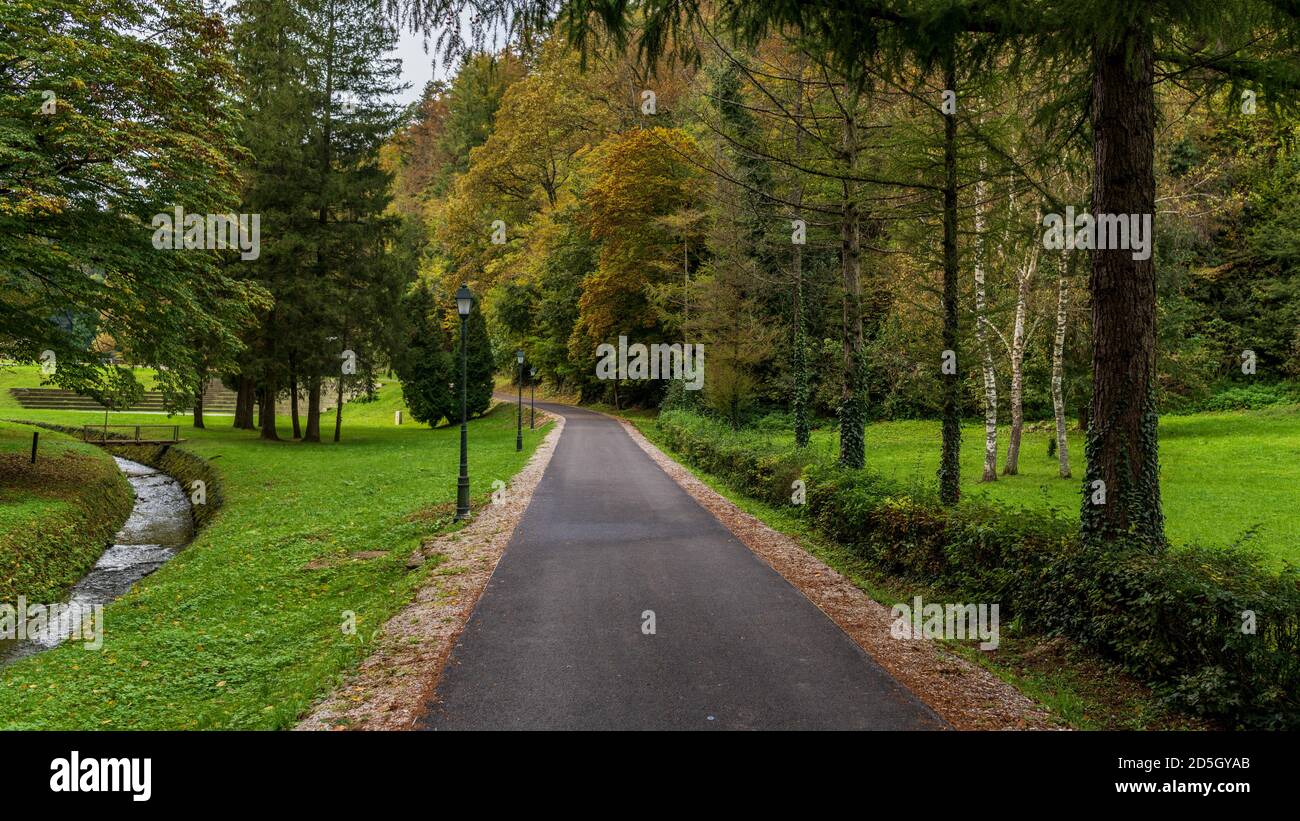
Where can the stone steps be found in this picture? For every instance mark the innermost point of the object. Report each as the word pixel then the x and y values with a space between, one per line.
pixel 216 399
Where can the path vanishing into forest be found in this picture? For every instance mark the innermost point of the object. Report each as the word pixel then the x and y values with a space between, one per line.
pixel 557 641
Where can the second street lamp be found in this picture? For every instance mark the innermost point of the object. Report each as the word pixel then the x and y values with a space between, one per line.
pixel 519 431
pixel 532 398
pixel 464 304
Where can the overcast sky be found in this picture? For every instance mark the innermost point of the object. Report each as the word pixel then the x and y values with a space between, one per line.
pixel 418 68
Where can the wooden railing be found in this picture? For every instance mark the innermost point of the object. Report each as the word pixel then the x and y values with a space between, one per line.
pixel 131 434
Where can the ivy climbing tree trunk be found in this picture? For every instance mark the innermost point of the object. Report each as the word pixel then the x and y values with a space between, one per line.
pixel 852 410
pixel 1122 482
pixel 950 456
pixel 799 403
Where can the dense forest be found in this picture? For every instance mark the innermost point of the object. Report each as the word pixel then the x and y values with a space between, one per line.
pixel 680 222
pixel 791 216
pixel 858 212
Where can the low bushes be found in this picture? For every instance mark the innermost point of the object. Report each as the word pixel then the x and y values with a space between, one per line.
pixel 762 470
pixel 1250 396
pixel 1179 619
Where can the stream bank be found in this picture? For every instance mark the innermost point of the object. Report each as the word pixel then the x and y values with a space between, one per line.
pixel 161 523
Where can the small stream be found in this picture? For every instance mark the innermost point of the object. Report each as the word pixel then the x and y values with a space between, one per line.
pixel 160 524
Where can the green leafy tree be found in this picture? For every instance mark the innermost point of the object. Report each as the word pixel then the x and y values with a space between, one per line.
pixel 318 78
pixel 102 127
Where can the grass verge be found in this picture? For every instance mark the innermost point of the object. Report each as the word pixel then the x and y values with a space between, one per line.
pixel 1226 478
pixel 1076 687
pixel 56 515
pixel 244 628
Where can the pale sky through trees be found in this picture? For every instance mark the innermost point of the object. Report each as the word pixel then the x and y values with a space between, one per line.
pixel 419 66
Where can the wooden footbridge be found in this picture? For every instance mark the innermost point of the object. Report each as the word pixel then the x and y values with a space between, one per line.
pixel 132 434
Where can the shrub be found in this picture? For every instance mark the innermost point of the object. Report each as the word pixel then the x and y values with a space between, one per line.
pixel 1174 618
pixel 766 471
pixel 1245 397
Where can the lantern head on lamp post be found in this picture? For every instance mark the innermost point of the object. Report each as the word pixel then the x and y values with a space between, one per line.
pixel 464 304
pixel 519 429
pixel 464 301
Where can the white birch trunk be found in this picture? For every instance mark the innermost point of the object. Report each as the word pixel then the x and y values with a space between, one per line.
pixel 1058 366
pixel 982 336
pixel 1025 279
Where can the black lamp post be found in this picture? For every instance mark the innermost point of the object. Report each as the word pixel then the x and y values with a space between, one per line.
pixel 519 430
pixel 464 304
pixel 532 398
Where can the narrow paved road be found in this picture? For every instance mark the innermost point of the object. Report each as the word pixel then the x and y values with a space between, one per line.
pixel 556 641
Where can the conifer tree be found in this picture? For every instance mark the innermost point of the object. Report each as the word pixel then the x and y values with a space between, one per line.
pixel 426 365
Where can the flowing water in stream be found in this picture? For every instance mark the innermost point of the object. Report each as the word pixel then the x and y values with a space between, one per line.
pixel 161 523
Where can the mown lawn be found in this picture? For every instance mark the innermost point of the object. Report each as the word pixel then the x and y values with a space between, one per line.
pixel 1080 689
pixel 56 514
pixel 29 376
pixel 1225 477
pixel 237 631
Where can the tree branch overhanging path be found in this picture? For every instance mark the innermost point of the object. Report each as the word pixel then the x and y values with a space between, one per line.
pixel 1120 44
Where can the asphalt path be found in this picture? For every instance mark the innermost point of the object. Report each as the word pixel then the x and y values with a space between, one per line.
pixel 561 639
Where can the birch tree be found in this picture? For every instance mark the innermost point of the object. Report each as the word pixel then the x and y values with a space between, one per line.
pixel 982 327
pixel 1026 273
pixel 1058 366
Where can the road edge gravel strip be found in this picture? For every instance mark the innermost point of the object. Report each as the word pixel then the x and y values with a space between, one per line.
pixel 964 694
pixel 391 688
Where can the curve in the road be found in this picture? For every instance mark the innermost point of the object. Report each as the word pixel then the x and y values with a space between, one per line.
pixel 559 638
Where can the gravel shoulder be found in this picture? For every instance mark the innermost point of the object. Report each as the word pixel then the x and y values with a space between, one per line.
pixel 390 688
pixel 967 696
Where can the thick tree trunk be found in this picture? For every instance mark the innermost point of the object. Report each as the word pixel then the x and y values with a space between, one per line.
pixel 982 338
pixel 244 404
pixel 1019 333
pixel 198 402
pixel 1121 446
pixel 852 411
pixel 268 412
pixel 950 449
pixel 312 433
pixel 1058 368
pixel 293 397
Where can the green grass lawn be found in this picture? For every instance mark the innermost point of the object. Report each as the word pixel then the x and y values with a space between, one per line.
pixel 1080 689
pixel 56 514
pixel 237 631
pixel 1225 477
pixel 29 376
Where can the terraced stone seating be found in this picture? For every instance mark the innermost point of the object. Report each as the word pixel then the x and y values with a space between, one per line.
pixel 216 399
